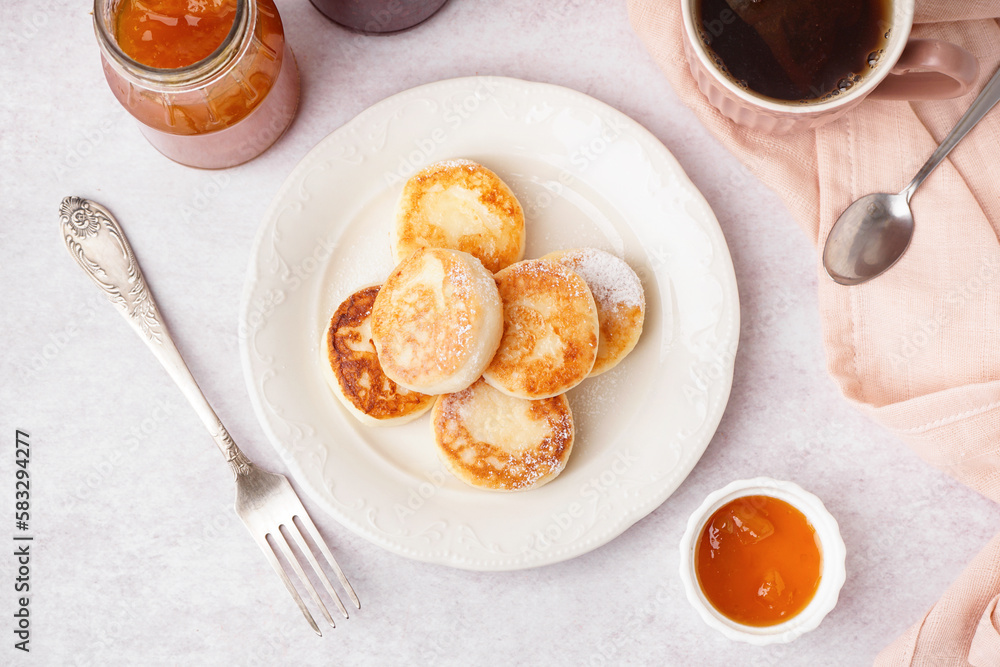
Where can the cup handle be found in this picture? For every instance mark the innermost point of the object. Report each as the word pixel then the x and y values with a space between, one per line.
pixel 943 70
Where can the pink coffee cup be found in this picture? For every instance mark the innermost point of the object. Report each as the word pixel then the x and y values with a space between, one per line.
pixel 909 69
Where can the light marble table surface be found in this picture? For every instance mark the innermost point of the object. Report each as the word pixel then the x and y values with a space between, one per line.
pixel 138 557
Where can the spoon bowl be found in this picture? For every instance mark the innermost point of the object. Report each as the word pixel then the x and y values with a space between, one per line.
pixel 874 232
pixel 868 238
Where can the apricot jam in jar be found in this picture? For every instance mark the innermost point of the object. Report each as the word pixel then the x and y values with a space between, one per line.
pixel 758 560
pixel 211 82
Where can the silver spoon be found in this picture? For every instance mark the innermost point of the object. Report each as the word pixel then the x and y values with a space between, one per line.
pixel 874 232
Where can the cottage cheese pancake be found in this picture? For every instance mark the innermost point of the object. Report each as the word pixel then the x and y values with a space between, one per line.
pixel 621 304
pixel 461 205
pixel 353 372
pixel 437 321
pixel 494 441
pixel 550 335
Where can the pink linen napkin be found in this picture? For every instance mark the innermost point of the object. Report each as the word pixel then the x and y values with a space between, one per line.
pixel 918 348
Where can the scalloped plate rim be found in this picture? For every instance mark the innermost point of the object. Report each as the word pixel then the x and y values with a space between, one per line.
pixel 729 318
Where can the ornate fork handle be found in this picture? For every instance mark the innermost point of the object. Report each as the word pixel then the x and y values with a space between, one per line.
pixel 98 244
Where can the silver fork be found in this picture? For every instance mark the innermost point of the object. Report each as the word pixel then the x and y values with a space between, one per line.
pixel 265 502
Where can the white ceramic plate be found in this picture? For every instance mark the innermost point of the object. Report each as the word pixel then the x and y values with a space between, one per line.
pixel 586 175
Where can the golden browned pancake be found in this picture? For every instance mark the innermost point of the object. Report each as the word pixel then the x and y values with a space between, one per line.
pixel 461 205
pixel 353 372
pixel 494 441
pixel 621 304
pixel 550 333
pixel 437 321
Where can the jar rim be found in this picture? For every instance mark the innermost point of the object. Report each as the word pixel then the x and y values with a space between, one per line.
pixel 196 72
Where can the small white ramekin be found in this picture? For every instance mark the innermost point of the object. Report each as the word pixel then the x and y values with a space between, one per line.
pixel 833 557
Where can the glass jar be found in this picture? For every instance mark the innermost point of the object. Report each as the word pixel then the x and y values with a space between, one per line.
pixel 376 16
pixel 220 111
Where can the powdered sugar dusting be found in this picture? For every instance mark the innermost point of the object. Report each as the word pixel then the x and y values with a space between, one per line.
pixel 457 276
pixel 598 397
pixel 549 269
pixel 611 280
pixel 451 164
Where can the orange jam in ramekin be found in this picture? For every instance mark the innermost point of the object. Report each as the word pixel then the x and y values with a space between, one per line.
pixel 758 560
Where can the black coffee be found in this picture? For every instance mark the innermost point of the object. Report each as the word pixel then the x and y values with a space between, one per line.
pixel 799 50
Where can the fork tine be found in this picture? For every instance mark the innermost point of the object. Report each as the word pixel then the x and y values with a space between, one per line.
pixel 300 541
pixel 314 535
pixel 273 560
pixel 286 551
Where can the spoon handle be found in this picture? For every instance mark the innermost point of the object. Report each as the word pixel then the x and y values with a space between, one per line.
pixel 980 106
pixel 98 244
